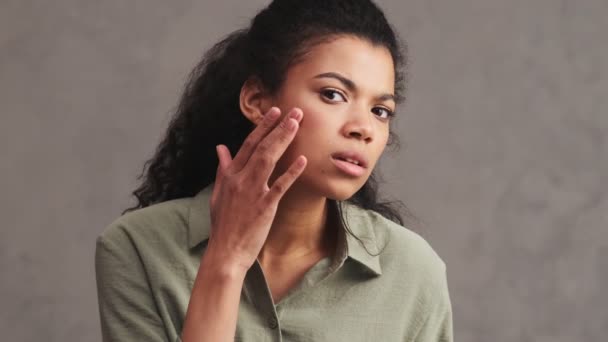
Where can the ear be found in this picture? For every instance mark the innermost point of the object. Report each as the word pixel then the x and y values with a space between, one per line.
pixel 254 101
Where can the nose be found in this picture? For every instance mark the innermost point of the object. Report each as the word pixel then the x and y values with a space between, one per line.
pixel 360 125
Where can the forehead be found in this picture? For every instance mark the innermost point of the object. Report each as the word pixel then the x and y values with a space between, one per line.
pixel 370 67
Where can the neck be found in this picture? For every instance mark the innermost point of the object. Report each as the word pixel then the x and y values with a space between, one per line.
pixel 303 227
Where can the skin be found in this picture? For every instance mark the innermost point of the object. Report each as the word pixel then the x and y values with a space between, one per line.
pixel 303 229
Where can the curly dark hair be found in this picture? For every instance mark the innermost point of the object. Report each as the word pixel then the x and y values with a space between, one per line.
pixel 209 114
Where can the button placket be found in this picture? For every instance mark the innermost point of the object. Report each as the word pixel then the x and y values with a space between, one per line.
pixel 273 323
pixel 262 297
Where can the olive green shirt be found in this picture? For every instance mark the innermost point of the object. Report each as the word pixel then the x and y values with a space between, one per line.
pixel 146 262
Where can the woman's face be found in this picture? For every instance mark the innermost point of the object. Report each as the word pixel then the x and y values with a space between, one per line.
pixel 348 115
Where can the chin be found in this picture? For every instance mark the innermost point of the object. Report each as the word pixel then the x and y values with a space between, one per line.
pixel 335 188
pixel 328 182
pixel 343 194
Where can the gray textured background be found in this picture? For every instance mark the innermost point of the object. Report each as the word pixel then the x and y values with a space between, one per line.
pixel 504 157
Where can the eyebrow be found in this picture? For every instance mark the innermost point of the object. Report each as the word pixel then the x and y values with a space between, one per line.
pixel 351 86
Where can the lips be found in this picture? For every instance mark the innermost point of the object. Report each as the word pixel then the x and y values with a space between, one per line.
pixel 351 157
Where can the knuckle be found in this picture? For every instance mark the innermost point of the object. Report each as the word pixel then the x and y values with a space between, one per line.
pixel 248 143
pixel 268 201
pixel 265 161
pixel 289 132
pixel 268 123
pixel 263 148
pixel 260 210
pixel 285 125
pixel 233 185
pixel 279 187
pixel 281 138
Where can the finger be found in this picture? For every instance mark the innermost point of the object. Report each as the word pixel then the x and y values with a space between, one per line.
pixel 225 159
pixel 284 182
pixel 273 146
pixel 216 185
pixel 254 138
pixel 219 173
pixel 224 156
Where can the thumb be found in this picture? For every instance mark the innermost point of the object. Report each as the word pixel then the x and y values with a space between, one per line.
pixel 225 159
pixel 224 155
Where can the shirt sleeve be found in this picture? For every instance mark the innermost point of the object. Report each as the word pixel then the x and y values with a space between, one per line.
pixel 126 306
pixel 438 326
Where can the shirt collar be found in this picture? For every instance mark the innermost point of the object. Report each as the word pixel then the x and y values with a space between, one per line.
pixel 360 221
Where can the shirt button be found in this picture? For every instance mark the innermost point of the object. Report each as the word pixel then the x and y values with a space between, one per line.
pixel 272 322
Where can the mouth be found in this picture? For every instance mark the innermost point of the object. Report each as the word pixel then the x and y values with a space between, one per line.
pixel 351 157
pixel 352 161
pixel 350 167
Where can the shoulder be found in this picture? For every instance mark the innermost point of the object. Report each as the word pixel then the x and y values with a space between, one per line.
pixel 405 253
pixel 154 225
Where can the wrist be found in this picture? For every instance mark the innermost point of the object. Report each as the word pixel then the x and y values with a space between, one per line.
pixel 222 266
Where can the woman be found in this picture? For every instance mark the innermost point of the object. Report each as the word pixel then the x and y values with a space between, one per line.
pixel 285 240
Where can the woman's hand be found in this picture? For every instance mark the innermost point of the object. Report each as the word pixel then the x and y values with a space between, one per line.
pixel 242 205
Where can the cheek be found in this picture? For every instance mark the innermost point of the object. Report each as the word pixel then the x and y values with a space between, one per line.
pixel 313 138
pixel 317 128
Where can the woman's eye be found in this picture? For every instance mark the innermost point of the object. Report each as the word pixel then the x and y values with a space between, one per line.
pixel 387 112
pixel 329 94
